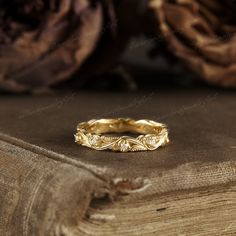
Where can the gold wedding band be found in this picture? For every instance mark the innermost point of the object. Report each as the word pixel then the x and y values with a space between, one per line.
pixel 153 134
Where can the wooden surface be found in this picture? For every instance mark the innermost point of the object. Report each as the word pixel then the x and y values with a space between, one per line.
pixel 186 188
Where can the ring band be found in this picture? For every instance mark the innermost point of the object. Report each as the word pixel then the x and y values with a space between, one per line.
pixel 153 134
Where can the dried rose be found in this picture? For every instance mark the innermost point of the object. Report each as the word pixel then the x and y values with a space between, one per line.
pixel 44 42
pixel 200 33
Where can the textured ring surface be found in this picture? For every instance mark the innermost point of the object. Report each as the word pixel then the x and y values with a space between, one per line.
pixel 91 134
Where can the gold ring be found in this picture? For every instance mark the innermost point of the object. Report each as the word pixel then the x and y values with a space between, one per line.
pixel 153 134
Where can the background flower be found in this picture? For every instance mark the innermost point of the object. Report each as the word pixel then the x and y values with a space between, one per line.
pixel 44 42
pixel 200 33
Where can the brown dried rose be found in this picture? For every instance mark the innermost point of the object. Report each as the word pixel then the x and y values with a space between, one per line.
pixel 201 33
pixel 43 42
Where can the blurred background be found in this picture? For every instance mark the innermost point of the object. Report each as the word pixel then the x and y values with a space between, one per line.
pixel 116 44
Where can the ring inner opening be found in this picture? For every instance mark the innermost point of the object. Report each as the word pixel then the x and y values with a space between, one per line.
pixel 122 128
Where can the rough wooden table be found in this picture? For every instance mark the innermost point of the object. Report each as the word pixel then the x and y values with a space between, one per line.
pixel 51 186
